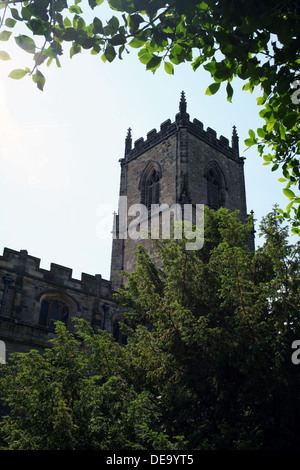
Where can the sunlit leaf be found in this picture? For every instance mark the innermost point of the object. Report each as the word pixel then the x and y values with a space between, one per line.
pixel 169 68
pixel 229 90
pixel 26 43
pixel 5 35
pixel 17 74
pixel 10 23
pixel 154 63
pixel 289 193
pixel 39 79
pixel 212 89
pixel 136 42
pixel 4 55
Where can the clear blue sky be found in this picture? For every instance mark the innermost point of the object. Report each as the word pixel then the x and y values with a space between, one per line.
pixel 59 149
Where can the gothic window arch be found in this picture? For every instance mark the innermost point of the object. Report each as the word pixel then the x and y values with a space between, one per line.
pixel 150 185
pixel 54 307
pixel 152 189
pixel 215 187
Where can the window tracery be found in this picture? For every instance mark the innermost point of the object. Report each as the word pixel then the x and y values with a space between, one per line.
pixel 152 190
pixel 215 188
pixel 150 185
pixel 53 310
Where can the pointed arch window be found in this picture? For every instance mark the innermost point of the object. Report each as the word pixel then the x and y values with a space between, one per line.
pixel 53 310
pixel 150 185
pixel 152 189
pixel 215 189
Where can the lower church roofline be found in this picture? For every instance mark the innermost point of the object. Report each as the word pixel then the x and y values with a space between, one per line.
pixel 33 263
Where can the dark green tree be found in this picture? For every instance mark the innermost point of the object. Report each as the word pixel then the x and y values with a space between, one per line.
pixel 208 361
pixel 72 398
pixel 212 336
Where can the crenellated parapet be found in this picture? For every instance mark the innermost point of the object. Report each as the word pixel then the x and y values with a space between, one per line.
pixel 21 263
pixel 168 128
pixel 154 137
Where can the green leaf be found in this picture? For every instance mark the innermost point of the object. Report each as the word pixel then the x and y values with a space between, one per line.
pixel 75 49
pixel 252 140
pixel 291 119
pixel 67 22
pixel 281 180
pixel 289 193
pixel 249 142
pixel 282 130
pixel 177 54
pixel 4 55
pixel 70 34
pixel 15 14
pixel 134 21
pixel 96 49
pixel 5 35
pixel 118 40
pixel 212 89
pixel 17 74
pixel 270 126
pixel 260 100
pixel 26 43
pixel 288 207
pixel 114 23
pixel 261 133
pixel 110 53
pixel 145 56
pixel 75 9
pixel 211 67
pixel 169 68
pixel 10 23
pixel 248 86
pixel 136 43
pixel 229 90
pixel 116 5
pixel 153 63
pixel 98 26
pixel 40 57
pixel 39 79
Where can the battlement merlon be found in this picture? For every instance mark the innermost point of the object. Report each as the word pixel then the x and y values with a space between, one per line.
pixel 168 128
pixel 21 263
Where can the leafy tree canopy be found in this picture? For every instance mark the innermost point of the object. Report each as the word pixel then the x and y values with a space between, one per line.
pixel 207 363
pixel 254 41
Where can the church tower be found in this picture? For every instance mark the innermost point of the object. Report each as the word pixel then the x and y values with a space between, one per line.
pixel 180 164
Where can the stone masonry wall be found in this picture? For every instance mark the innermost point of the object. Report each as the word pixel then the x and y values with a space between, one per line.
pixel 21 298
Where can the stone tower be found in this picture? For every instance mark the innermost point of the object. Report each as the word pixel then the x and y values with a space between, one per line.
pixel 181 164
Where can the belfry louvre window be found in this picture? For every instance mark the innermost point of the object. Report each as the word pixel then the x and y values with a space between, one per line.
pixel 53 310
pixel 152 189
